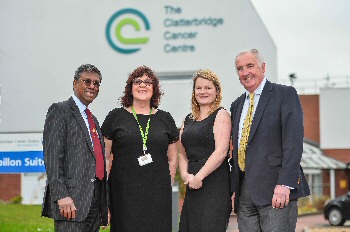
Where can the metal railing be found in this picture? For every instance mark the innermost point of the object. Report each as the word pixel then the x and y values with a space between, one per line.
pixel 313 86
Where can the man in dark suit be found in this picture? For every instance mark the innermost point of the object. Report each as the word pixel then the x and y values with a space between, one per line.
pixel 75 195
pixel 267 137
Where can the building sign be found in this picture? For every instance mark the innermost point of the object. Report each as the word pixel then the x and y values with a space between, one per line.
pixel 127 30
pixel 122 43
pixel 181 31
pixel 21 152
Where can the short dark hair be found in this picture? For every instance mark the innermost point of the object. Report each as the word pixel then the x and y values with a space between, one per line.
pixel 86 68
pixel 127 99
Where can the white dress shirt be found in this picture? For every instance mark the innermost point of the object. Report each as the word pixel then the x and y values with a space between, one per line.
pixel 82 108
pixel 257 94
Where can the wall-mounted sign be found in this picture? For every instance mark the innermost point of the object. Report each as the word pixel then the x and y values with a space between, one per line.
pixel 21 152
pixel 128 30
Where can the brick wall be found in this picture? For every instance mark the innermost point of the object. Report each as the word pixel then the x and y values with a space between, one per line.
pixel 342 155
pixel 341 182
pixel 326 182
pixel 10 186
pixel 311 109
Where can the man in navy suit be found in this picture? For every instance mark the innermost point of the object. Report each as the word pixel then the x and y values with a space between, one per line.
pixel 268 180
pixel 75 195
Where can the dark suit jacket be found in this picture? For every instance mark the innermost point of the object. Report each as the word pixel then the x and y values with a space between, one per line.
pixel 70 161
pixel 275 145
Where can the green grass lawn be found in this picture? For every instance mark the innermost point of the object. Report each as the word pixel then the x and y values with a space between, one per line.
pixel 24 218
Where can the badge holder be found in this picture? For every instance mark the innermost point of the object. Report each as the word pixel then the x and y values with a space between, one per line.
pixel 145 159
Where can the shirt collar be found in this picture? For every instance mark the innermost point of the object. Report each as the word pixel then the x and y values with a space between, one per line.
pixel 259 90
pixel 80 105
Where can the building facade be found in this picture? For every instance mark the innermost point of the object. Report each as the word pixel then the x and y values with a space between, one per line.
pixel 43 42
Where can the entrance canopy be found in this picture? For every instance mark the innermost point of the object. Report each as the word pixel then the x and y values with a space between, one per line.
pixel 314 158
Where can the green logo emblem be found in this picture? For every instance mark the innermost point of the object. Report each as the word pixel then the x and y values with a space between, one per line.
pixel 114 34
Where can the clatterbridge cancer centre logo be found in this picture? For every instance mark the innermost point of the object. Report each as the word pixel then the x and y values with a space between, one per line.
pixel 124 29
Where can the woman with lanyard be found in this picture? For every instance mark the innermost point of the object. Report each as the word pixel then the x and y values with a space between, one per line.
pixel 141 147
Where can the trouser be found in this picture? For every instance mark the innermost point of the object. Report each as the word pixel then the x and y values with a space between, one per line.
pixel 92 222
pixel 255 218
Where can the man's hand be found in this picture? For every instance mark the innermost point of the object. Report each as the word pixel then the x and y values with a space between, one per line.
pixel 67 207
pixel 280 197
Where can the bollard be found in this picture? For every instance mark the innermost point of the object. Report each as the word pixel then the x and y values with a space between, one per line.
pixel 175 207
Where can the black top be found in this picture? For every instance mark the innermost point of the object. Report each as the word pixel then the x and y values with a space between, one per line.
pixel 140 195
pixel 208 208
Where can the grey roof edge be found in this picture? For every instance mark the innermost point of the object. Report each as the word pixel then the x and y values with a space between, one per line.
pixel 320 160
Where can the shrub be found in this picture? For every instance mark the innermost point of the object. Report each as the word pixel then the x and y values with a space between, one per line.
pixel 182 186
pixel 16 200
pixel 311 204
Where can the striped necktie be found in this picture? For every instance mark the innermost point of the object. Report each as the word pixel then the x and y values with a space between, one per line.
pixel 97 146
pixel 245 133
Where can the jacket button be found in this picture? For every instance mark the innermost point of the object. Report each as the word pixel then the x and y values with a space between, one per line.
pixel 92 180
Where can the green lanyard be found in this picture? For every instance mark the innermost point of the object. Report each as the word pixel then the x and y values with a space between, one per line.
pixel 143 135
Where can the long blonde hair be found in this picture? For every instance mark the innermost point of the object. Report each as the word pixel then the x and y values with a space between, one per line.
pixel 210 76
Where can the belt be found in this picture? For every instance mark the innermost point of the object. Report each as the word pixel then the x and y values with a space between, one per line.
pixel 191 161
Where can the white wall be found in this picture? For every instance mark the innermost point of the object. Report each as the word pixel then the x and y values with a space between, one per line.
pixel 33 188
pixel 334 118
pixel 43 42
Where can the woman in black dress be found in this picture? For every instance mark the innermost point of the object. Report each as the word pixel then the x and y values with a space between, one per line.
pixel 205 136
pixel 141 146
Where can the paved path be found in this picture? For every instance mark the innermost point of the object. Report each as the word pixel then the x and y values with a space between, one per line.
pixel 308 223
pixel 311 221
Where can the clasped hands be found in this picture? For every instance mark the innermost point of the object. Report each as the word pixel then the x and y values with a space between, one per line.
pixel 280 197
pixel 192 181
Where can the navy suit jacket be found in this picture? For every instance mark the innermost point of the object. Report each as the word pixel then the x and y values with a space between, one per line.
pixel 70 162
pixel 275 145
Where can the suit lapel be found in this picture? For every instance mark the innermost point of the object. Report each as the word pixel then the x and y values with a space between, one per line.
pixel 235 123
pixel 264 98
pixel 77 115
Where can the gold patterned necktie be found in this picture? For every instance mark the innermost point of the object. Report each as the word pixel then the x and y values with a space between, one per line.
pixel 245 133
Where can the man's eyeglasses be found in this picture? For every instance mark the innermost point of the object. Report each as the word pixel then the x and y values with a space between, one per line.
pixel 147 82
pixel 88 82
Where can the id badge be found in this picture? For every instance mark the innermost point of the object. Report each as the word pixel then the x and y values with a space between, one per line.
pixel 145 159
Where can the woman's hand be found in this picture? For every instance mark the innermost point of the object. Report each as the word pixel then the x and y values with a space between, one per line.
pixel 184 177
pixel 193 182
